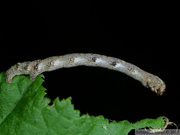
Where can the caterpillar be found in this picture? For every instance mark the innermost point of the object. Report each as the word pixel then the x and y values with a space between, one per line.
pixel 36 67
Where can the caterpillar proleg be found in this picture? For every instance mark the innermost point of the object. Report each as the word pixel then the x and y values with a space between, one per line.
pixel 33 68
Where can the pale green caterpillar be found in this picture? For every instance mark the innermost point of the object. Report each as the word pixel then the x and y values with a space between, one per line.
pixel 33 68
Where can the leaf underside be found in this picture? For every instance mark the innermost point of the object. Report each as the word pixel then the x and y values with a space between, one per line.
pixel 25 111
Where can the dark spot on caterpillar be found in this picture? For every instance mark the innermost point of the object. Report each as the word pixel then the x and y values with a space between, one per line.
pixel 113 63
pixel 36 65
pixel 131 69
pixel 26 65
pixel 71 59
pixel 17 65
pixel 49 63
pixel 94 59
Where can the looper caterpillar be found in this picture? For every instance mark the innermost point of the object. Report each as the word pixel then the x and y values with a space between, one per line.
pixel 33 68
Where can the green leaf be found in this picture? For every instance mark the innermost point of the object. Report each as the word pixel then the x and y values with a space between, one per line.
pixel 25 111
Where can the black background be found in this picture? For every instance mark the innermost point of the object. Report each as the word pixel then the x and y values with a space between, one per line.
pixel 144 34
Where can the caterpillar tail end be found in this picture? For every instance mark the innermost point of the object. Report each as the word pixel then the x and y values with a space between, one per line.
pixel 155 84
pixel 160 90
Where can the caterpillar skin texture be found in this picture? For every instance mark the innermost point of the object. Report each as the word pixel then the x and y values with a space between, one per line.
pixel 34 68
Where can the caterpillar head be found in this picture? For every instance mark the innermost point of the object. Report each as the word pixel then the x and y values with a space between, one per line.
pixel 23 68
pixel 11 72
pixel 17 69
